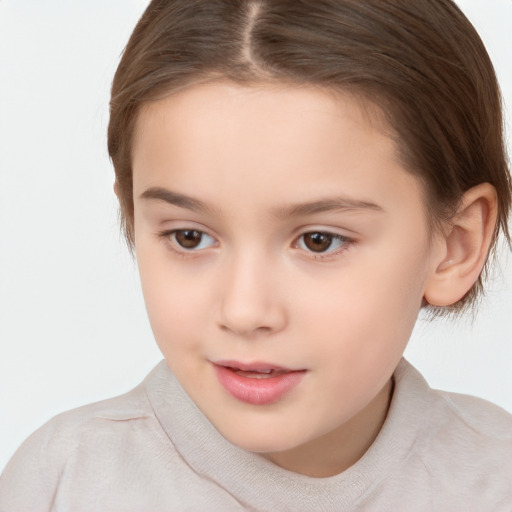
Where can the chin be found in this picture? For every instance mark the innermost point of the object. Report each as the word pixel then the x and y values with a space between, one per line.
pixel 262 446
pixel 260 440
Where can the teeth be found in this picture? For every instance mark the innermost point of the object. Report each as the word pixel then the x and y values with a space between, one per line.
pixel 255 374
pixel 267 371
pixel 258 373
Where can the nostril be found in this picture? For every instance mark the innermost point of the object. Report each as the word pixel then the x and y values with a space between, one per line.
pixel 248 306
pixel 247 332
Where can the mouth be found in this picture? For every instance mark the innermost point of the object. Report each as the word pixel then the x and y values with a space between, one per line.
pixel 258 374
pixel 254 370
pixel 257 383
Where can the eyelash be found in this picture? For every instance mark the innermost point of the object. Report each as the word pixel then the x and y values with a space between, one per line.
pixel 329 253
pixel 169 237
pixel 176 247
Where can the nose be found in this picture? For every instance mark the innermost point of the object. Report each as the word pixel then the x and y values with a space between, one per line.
pixel 251 302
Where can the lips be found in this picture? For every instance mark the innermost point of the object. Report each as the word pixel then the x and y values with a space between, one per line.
pixel 257 383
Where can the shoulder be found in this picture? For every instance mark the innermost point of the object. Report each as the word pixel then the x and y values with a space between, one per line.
pixel 465 447
pixel 83 437
pixel 447 415
pixel 475 429
pixel 478 416
pixel 65 431
pixel 448 451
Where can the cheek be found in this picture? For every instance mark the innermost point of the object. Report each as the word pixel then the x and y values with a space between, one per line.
pixel 174 301
pixel 369 309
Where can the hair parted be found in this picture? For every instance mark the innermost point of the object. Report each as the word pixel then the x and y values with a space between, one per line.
pixel 420 61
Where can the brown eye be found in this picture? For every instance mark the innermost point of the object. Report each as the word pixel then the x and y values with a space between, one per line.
pixel 189 238
pixel 318 242
pixel 322 242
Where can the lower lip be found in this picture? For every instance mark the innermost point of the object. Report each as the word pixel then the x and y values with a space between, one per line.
pixel 258 391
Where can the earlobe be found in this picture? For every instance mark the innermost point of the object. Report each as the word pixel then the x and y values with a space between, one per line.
pixel 465 247
pixel 116 188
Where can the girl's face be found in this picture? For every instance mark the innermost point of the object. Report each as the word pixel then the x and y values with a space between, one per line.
pixel 283 253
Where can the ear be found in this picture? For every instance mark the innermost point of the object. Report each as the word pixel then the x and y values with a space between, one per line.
pixel 464 247
pixel 116 188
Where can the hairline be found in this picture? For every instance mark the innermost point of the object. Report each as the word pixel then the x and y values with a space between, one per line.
pixel 372 110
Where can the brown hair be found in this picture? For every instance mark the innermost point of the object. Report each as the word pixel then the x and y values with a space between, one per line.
pixel 420 61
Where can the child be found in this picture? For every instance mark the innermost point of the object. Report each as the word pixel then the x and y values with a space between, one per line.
pixel 297 180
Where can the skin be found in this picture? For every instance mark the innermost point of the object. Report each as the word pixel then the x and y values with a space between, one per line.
pixel 253 290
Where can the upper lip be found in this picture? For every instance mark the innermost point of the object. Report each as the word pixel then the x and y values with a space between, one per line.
pixel 254 366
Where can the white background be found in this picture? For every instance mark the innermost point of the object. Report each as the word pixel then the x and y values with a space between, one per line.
pixel 72 323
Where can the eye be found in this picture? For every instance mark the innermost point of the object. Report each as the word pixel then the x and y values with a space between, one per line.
pixel 191 239
pixel 321 242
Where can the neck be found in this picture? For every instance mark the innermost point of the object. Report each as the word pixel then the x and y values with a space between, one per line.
pixel 339 449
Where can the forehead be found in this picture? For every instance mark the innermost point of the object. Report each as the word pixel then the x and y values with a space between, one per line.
pixel 222 102
pixel 301 141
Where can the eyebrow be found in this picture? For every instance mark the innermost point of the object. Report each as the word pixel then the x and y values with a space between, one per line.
pixel 295 210
pixel 176 199
pixel 326 205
